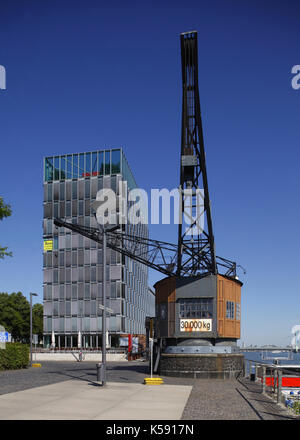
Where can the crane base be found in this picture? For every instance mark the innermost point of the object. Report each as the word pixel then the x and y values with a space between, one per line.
pixel 214 366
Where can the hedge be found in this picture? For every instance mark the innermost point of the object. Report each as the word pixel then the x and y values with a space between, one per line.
pixel 14 356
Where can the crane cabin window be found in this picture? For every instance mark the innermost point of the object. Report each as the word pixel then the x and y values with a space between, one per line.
pixel 229 310
pixel 196 308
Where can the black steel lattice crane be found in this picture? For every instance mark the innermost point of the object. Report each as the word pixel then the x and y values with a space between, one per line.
pixel 194 254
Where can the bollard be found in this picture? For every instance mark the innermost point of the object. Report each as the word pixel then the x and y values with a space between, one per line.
pixel 252 373
pixel 100 372
pixel 256 371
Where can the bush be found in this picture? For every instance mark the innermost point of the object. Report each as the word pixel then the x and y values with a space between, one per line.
pixel 296 407
pixel 14 356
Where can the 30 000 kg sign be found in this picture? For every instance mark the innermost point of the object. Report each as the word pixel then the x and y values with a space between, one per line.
pixel 195 325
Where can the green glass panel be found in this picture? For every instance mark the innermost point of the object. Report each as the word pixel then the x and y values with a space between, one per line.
pixel 127 175
pixel 107 162
pixel 75 166
pixel 81 165
pixel 100 163
pixel 56 168
pixel 94 164
pixel 87 164
pixel 48 169
pixel 115 162
pixel 62 167
pixel 69 167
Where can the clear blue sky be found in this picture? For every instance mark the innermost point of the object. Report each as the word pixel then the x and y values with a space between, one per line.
pixel 95 74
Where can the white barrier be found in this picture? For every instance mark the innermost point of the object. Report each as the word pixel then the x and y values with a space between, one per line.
pixel 86 356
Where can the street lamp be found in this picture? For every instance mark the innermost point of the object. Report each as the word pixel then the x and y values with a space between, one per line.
pixel 31 295
pixel 110 311
pixel 104 231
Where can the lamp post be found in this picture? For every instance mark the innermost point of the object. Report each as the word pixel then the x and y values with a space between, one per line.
pixel 104 231
pixel 31 295
pixel 104 308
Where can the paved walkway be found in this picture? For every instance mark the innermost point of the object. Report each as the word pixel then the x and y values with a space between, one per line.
pixel 68 391
pixel 80 400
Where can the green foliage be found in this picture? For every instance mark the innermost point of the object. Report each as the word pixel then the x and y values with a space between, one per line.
pixel 15 316
pixel 5 211
pixel 296 407
pixel 37 320
pixel 14 356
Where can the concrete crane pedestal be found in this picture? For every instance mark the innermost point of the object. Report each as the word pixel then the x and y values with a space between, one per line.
pixel 202 366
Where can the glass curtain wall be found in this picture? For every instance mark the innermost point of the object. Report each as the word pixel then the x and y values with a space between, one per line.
pixel 72 264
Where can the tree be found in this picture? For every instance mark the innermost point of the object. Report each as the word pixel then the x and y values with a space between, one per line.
pixel 5 211
pixel 37 320
pixel 15 316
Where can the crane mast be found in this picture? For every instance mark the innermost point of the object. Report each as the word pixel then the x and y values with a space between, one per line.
pixel 193 175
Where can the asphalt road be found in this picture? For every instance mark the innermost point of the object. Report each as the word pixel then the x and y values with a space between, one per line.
pixel 58 371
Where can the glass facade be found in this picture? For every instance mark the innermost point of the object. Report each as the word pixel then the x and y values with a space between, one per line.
pixel 89 164
pixel 72 264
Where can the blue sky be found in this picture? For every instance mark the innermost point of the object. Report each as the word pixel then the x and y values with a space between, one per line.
pixel 95 74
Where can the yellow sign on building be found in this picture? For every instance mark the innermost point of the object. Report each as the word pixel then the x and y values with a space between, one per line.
pixel 48 245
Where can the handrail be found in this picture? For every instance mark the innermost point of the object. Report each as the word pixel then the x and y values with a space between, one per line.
pixel 276 372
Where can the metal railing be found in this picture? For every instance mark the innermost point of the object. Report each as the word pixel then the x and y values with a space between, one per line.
pixel 270 376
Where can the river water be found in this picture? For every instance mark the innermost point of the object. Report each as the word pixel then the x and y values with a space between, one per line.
pixel 268 357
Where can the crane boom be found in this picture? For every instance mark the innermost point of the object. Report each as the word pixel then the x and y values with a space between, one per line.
pixel 156 254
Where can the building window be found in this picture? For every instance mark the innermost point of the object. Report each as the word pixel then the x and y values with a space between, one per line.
pixel 238 311
pixel 115 162
pixel 81 165
pixel 196 308
pixel 107 162
pixel 229 309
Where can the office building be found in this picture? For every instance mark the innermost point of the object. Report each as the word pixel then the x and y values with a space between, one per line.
pixel 72 263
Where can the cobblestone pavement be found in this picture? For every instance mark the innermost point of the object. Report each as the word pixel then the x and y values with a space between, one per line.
pixel 231 400
pixel 210 399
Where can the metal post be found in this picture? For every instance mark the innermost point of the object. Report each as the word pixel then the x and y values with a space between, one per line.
pixel 264 379
pixel 151 356
pixel 31 295
pixel 104 310
pixel 30 330
pixel 275 380
pixel 279 386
